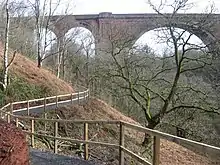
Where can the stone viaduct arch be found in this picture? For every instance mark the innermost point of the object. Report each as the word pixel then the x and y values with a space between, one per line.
pixel 127 28
pixel 206 37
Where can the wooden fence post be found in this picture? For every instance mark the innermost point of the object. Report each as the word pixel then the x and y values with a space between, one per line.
pixel 28 110
pixel 56 101
pixel 45 113
pixel 121 144
pixel 86 147
pixel 88 93
pixel 32 131
pixel 84 95
pixel 156 151
pixel 45 102
pixel 2 113
pixel 8 117
pixel 45 123
pixel 16 121
pixel 71 98
pixel 55 136
pixel 78 98
pixel 11 108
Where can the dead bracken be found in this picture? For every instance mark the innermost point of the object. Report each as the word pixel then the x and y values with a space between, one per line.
pixel 13 145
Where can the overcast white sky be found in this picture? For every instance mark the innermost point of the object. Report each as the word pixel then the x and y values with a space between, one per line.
pixel 128 6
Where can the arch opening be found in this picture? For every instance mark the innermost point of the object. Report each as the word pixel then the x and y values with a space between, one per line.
pixel 48 41
pixel 79 46
pixel 81 39
pixel 45 46
pixel 159 41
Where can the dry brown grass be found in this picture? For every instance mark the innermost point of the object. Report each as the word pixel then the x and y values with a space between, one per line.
pixel 95 109
pixel 26 69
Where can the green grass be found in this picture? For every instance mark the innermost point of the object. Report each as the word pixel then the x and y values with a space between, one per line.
pixel 19 90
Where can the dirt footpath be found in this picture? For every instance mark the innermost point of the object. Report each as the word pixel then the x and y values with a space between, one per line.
pixel 46 158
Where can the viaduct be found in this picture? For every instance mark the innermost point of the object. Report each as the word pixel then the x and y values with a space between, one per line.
pixel 127 28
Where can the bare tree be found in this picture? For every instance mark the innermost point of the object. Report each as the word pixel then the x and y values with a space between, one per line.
pixel 75 44
pixel 87 48
pixel 6 48
pixel 160 86
pixel 43 11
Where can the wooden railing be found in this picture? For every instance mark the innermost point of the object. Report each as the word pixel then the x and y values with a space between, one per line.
pixel 42 104
pixel 7 113
pixel 45 102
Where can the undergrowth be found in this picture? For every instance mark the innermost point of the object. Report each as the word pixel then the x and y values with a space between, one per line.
pixel 18 89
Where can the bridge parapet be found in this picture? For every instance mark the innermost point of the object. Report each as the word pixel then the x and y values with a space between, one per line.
pixel 105 14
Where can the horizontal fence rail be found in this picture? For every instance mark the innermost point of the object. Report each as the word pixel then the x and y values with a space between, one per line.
pixel 8 113
pixel 48 102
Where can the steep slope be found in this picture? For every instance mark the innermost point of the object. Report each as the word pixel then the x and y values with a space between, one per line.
pixel 28 81
pixel 24 68
pixel 95 109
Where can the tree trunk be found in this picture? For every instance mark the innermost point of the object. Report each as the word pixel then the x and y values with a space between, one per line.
pixel 58 70
pixel 63 64
pixel 60 53
pixel 87 69
pixel 5 70
pixel 37 24
pixel 59 65
pixel 39 62
pixel 151 125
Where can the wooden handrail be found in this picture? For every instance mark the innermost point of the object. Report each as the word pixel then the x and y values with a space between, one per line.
pixel 7 105
pixel 172 138
pixel 135 156
pixel 157 135
pixel 53 97
pixel 120 146
pixel 77 96
pixel 69 121
pixel 7 110
pixel 74 140
pixel 22 102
